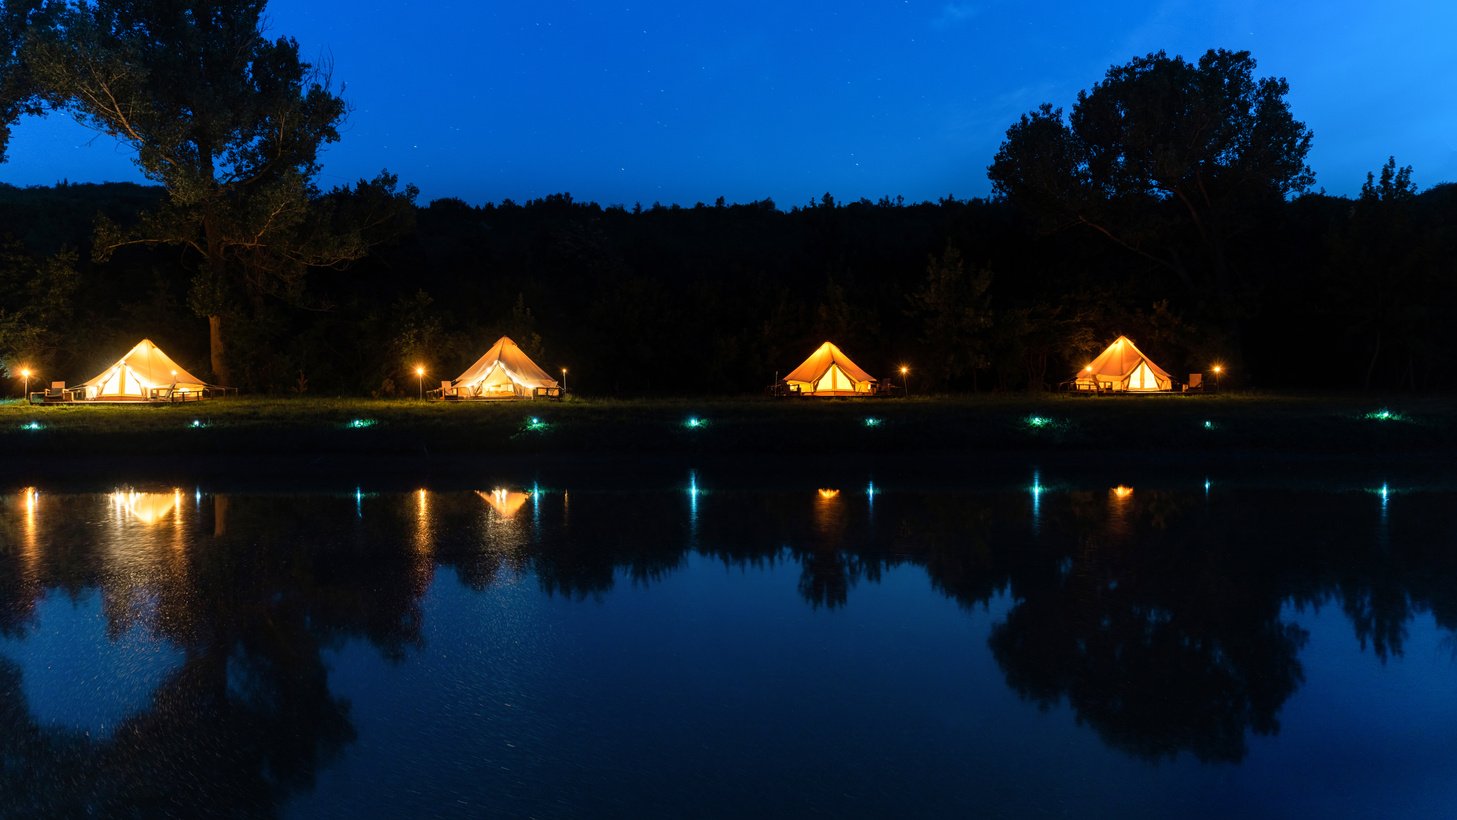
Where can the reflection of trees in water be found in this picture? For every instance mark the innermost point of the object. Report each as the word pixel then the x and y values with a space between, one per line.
pixel 1160 634
pixel 248 717
pixel 1157 617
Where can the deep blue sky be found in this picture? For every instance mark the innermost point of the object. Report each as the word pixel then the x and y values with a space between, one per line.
pixel 643 101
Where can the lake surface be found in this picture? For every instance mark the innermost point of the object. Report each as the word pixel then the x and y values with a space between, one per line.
pixel 703 647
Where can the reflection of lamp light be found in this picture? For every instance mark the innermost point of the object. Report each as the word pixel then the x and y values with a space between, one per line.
pixel 1121 492
pixel 828 494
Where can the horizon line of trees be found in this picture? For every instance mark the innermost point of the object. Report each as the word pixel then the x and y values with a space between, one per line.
pixel 1170 203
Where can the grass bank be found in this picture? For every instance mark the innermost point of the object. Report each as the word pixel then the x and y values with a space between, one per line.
pixel 1102 426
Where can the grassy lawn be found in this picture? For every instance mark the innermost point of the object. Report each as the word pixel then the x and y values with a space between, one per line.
pixel 1230 422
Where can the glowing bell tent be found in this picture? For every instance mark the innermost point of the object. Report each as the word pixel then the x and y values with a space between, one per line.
pixel 505 372
pixel 829 372
pixel 1123 368
pixel 144 374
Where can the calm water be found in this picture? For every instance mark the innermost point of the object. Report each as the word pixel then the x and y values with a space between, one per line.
pixel 1043 648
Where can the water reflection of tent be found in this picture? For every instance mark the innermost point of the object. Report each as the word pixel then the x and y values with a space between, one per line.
pixel 504 372
pixel 141 374
pixel 505 502
pixel 148 508
pixel 829 372
pixel 1123 368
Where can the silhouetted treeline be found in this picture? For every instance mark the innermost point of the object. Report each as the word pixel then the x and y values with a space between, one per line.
pixel 1338 293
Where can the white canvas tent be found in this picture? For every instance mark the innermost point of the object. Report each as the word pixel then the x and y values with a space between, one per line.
pixel 505 372
pixel 829 372
pixel 1123 368
pixel 145 373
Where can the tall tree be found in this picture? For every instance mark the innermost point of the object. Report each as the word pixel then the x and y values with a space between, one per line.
pixel 953 308
pixel 1171 160
pixel 19 93
pixel 1384 280
pixel 230 123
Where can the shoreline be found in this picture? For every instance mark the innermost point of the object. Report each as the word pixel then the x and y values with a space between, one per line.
pixel 316 442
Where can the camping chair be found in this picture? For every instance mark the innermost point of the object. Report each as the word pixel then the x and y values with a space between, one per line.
pixel 56 392
pixel 1196 382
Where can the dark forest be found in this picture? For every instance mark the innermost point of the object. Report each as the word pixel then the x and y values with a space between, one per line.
pixel 1339 294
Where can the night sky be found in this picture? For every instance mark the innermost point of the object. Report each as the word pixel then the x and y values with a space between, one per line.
pixel 680 103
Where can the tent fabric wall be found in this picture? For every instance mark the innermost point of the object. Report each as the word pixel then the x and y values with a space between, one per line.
pixel 829 372
pixel 505 371
pixel 1122 367
pixel 142 370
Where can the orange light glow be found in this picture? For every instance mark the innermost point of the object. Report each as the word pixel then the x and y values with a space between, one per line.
pixel 1121 492
pixel 505 502
pixel 1088 369
pixel 827 494
pixel 148 508
pixel 419 371
pixel 1219 368
pixel 905 370
pixel 25 371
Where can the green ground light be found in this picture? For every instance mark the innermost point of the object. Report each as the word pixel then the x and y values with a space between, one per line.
pixel 535 425
pixel 872 421
pixel 695 423
pixel 1384 415
pixel 34 425
pixel 360 424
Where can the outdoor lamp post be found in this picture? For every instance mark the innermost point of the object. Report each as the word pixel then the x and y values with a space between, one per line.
pixel 1219 368
pixel 25 374
pixel 564 380
pixel 905 387
pixel 420 380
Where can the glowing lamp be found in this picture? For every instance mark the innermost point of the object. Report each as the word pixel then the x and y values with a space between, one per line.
pixel 828 494
pixel 360 424
pixel 1121 492
pixel 694 423
pixel 34 425
pixel 872 421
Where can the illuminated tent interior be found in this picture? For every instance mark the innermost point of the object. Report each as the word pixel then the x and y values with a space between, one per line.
pixel 505 372
pixel 829 372
pixel 145 369
pixel 1123 368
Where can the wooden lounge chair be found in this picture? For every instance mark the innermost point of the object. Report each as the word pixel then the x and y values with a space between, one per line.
pixel 58 392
